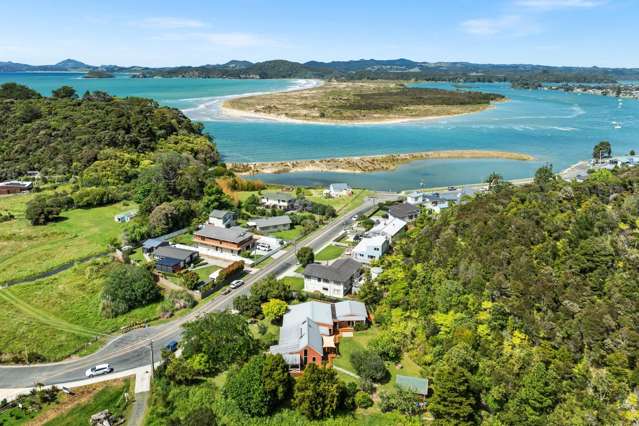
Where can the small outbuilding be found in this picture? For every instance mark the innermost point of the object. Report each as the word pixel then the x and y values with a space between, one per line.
pixel 417 385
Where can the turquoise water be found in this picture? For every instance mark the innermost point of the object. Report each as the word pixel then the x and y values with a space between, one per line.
pixel 556 127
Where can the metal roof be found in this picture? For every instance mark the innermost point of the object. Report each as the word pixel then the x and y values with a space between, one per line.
pixel 341 271
pixel 339 187
pixel 317 311
pixel 350 310
pixel 280 196
pixel 388 227
pixel 270 221
pixel 173 253
pixel 403 210
pixel 219 214
pixel 235 234
pixel 295 337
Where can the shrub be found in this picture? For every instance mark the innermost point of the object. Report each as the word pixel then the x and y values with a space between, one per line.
pixel 46 208
pixel 305 256
pixel 369 366
pixel 94 197
pixel 363 400
pixel 189 279
pixel 127 287
pixel 232 269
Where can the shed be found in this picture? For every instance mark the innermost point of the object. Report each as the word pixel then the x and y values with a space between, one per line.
pixel 416 385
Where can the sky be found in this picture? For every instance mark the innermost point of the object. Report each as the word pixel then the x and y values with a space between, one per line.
pixel 196 32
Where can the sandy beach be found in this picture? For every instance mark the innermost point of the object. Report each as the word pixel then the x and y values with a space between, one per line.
pixel 368 163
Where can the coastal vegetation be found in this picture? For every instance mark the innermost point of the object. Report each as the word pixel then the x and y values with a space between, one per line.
pixel 362 101
pixel 367 163
pixel 98 74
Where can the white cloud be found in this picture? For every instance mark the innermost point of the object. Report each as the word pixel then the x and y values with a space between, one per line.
pixel 168 23
pixel 512 24
pixel 559 4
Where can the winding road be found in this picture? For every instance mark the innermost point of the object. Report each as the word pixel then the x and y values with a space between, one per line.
pixel 133 349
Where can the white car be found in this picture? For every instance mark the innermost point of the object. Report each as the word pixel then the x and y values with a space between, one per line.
pixel 98 370
pixel 237 284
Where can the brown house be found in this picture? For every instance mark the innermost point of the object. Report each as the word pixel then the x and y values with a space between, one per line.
pixel 215 239
pixel 14 187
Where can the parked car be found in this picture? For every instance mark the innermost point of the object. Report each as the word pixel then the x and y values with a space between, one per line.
pixel 172 346
pixel 98 370
pixel 237 284
pixel 452 188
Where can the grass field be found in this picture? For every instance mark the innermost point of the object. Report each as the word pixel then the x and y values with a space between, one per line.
pixel 359 342
pixel 296 283
pixel 329 253
pixel 289 234
pixel 339 203
pixel 110 397
pixel 26 250
pixel 56 316
pixel 204 272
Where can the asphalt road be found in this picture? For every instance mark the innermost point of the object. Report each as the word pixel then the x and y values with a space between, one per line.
pixel 133 349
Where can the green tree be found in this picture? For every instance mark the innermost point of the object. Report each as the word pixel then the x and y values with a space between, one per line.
pixel 65 92
pixel 363 400
pixel 602 150
pixel 274 309
pixel 222 337
pixel 453 401
pixel 318 392
pixel 41 211
pixel 17 92
pixel 369 366
pixel 190 279
pixel 536 397
pixel 127 287
pixel 494 179
pixel 305 256
pixel 260 385
pixel 544 175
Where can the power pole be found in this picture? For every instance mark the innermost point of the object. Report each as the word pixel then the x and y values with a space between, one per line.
pixel 152 360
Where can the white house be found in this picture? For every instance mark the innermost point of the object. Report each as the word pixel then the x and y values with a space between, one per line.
pixel 388 228
pixel 415 198
pixel 435 202
pixel 339 190
pixel 222 218
pixel 335 280
pixel 370 248
pixel 281 200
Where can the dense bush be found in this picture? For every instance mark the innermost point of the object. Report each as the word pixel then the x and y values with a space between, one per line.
pixel 45 208
pixel 320 394
pixel 363 400
pixel 261 292
pixel 127 287
pixel 95 197
pixel 369 366
pixel 229 271
pixel 305 256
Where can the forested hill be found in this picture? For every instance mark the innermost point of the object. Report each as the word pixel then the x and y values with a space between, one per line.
pixel 522 305
pixel 66 134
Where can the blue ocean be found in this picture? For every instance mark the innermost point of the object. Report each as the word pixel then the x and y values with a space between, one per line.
pixel 557 128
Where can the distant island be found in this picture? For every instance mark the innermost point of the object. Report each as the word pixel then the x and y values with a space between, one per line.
pixel 364 102
pixel 98 74
pixel 362 69
pixel 367 163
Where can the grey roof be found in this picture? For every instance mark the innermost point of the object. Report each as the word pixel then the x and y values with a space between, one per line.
pixel 17 184
pixel 403 210
pixel 416 385
pixel 295 337
pixel 153 243
pixel 317 311
pixel 340 271
pixel 234 234
pixel 339 187
pixel 283 196
pixel 219 214
pixel 350 310
pixel 173 252
pixel 271 221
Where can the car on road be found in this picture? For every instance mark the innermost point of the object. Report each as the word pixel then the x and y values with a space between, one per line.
pixel 226 291
pixel 172 346
pixel 237 284
pixel 452 188
pixel 98 370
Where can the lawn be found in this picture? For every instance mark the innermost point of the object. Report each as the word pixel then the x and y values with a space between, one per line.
pixel 204 272
pixel 296 283
pixel 340 203
pixel 359 342
pixel 289 234
pixel 329 253
pixel 27 250
pixel 186 239
pixel 54 317
pixel 110 397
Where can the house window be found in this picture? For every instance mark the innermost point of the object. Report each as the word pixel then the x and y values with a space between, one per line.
pixel 313 360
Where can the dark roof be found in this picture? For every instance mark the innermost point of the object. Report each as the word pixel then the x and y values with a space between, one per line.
pixel 219 214
pixel 271 221
pixel 153 243
pixel 403 210
pixel 340 271
pixel 173 253
pixel 284 196
pixel 168 261
pixel 235 234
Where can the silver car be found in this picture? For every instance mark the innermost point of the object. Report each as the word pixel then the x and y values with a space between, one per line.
pixel 98 370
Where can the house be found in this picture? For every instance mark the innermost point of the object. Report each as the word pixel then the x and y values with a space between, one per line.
pixel 335 280
pixel 15 186
pixel 415 198
pixel 406 212
pixel 310 331
pixel 435 202
pixel 124 217
pixel 416 385
pixel 173 259
pixel 222 218
pixel 215 239
pixel 339 190
pixel 271 224
pixel 388 228
pixel 370 248
pixel 281 200
pixel 153 243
